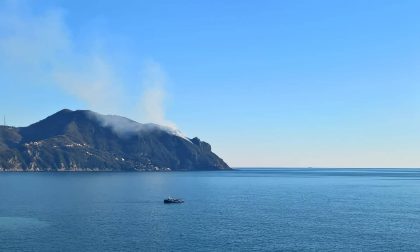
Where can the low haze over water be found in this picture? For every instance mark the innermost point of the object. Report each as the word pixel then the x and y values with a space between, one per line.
pixel 253 210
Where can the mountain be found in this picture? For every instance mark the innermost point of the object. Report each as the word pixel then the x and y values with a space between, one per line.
pixel 83 140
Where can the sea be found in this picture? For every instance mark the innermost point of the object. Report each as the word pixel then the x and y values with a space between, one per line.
pixel 240 210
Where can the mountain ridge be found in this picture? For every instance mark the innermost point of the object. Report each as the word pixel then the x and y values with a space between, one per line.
pixel 83 140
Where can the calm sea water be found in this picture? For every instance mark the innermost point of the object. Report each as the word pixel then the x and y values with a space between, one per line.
pixel 245 210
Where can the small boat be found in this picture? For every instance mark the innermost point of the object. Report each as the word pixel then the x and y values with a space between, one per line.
pixel 171 200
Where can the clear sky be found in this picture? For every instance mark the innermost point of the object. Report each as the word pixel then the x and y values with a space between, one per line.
pixel 267 83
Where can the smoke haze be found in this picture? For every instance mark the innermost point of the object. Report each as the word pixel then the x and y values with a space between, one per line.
pixel 41 46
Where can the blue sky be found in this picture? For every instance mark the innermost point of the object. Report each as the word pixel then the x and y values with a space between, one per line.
pixel 267 83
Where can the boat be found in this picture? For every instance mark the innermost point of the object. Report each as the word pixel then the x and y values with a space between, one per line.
pixel 171 200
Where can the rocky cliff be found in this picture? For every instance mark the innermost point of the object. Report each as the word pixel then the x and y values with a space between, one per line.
pixel 83 140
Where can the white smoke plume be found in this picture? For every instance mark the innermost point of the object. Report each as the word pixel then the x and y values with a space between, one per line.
pixel 125 127
pixel 152 101
pixel 40 46
pixel 96 85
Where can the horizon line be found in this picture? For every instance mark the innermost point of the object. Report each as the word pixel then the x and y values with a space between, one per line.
pixel 317 167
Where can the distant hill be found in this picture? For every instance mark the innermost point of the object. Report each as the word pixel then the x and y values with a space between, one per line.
pixel 83 140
